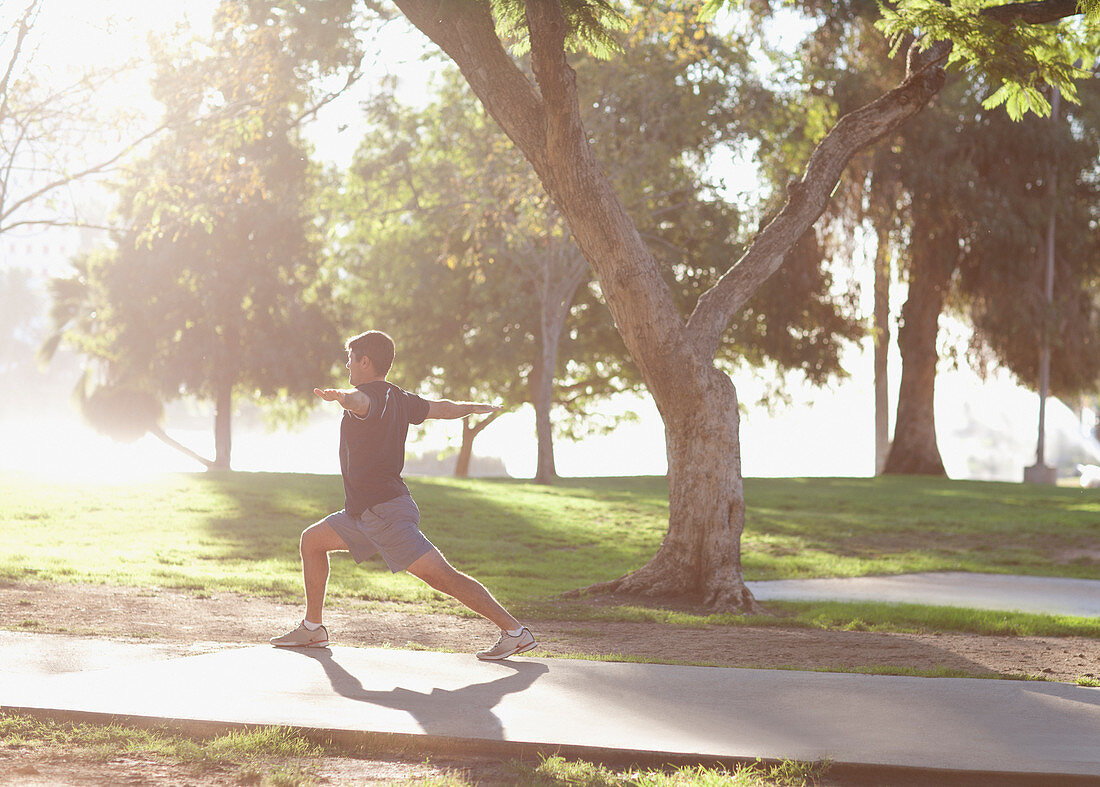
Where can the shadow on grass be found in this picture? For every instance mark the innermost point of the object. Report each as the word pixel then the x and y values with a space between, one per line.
pixel 522 541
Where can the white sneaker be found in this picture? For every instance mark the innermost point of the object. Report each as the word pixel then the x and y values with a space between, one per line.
pixel 508 645
pixel 302 637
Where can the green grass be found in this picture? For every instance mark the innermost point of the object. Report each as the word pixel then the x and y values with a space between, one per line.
pixel 921 619
pixel 239 532
pixel 258 756
pixel 555 771
pixel 891 525
pixel 846 616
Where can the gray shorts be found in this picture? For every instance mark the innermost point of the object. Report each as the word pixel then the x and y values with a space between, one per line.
pixel 389 528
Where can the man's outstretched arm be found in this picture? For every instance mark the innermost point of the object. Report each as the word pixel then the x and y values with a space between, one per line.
pixel 351 399
pixel 445 408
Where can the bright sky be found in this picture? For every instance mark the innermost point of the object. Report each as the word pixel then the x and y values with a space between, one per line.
pixel 78 33
pixel 826 432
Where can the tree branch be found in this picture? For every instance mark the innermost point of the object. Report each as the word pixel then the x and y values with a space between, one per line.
pixel 465 31
pixel 565 137
pixel 544 125
pixel 1039 12
pixel 807 200
pixel 24 24
pixel 311 111
pixel 476 428
pixel 161 435
pixel 55 223
pixel 94 169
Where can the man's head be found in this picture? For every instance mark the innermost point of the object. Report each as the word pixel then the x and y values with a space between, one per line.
pixel 373 346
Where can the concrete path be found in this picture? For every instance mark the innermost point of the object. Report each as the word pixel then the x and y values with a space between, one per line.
pixel 1046 731
pixel 29 655
pixel 1049 595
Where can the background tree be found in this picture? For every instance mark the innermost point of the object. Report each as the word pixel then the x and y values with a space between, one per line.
pixel 931 197
pixel 1044 170
pixel 978 209
pixel 214 291
pixel 700 555
pixel 453 335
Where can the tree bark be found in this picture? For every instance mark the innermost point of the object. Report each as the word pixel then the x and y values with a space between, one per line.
pixel 466 451
pixel 914 450
pixel 700 557
pixel 882 349
pixel 470 430
pixel 223 425
pixel 561 274
pixel 545 471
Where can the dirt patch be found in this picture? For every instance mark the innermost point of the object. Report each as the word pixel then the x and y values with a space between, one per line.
pixel 1083 556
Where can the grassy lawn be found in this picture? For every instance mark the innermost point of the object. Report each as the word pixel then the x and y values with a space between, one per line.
pixel 260 756
pixel 239 532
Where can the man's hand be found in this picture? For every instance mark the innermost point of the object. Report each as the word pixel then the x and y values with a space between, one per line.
pixel 484 409
pixel 354 400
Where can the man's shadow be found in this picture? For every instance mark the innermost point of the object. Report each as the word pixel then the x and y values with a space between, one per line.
pixel 465 712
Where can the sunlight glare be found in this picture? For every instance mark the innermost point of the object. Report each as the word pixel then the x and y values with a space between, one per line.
pixel 65 449
pixel 77 34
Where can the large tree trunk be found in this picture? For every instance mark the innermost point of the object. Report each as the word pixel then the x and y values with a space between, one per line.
pixel 701 556
pixel 914 450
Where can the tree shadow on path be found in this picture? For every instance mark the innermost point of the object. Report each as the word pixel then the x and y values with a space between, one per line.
pixel 467 711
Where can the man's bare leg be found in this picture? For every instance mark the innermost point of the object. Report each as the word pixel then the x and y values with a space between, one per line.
pixel 434 569
pixel 317 541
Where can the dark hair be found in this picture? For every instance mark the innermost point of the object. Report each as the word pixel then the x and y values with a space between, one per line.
pixel 375 345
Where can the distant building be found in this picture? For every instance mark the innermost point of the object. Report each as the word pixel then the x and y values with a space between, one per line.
pixel 44 251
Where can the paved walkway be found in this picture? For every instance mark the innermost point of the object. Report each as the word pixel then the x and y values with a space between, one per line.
pixel 994 731
pixel 1048 595
pixel 1045 731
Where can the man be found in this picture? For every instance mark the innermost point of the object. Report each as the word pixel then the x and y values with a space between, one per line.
pixel 379 514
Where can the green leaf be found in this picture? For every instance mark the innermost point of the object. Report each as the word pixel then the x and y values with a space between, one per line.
pixel 1013 104
pixel 711 8
pixel 998 98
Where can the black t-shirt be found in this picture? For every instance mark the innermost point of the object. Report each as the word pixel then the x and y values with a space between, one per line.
pixel 372 449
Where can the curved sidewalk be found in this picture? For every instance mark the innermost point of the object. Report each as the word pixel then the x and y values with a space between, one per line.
pixel 1045 595
pixel 935 730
